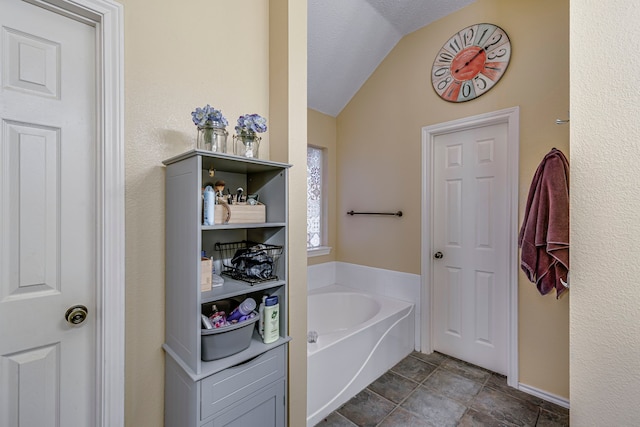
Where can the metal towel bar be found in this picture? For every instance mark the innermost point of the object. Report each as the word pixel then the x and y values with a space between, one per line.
pixel 399 213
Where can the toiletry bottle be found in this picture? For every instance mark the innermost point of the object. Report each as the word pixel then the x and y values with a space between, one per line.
pixel 245 308
pixel 209 207
pixel 217 318
pixel 269 319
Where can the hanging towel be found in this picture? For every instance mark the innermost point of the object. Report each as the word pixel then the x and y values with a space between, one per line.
pixel 544 236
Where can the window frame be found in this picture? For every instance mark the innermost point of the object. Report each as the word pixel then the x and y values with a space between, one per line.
pixel 323 248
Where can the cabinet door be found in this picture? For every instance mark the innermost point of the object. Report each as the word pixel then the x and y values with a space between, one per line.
pixel 223 389
pixel 265 408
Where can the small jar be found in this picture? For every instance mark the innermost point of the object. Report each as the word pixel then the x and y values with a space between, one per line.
pixel 212 137
pixel 247 145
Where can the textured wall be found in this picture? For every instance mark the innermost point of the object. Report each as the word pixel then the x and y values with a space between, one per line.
pixel 605 198
pixel 288 107
pixel 178 55
pixel 379 152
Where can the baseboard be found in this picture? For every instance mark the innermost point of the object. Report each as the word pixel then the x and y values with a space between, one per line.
pixel 560 401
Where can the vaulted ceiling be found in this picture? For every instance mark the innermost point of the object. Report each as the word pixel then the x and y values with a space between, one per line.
pixel 348 39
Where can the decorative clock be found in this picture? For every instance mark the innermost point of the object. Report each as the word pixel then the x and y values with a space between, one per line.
pixel 471 62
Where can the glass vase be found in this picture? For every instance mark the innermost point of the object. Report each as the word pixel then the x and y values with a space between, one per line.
pixel 247 145
pixel 212 138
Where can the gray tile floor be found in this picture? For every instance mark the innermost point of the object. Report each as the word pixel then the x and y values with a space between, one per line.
pixel 436 390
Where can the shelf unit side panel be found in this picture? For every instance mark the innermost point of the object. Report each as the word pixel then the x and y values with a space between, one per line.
pixel 271 187
pixel 181 397
pixel 183 241
pixel 284 309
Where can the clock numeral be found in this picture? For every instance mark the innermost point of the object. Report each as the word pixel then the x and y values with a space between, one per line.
pixel 497 53
pixel 452 91
pixel 480 82
pixel 443 83
pixel 484 32
pixel 453 45
pixel 468 36
pixel 445 57
pixel 493 70
pixel 440 72
pixel 455 48
pixel 494 41
pixel 467 91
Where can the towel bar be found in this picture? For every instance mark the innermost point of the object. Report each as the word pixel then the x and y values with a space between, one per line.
pixel 399 213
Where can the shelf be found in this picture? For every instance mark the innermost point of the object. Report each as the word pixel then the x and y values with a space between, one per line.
pixel 242 226
pixel 256 348
pixel 230 162
pixel 232 288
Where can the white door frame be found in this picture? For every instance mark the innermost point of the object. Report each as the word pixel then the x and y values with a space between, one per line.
pixel 510 116
pixel 107 17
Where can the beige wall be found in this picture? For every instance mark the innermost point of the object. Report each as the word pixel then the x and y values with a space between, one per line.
pixel 180 55
pixel 379 143
pixel 288 108
pixel 321 131
pixel 605 200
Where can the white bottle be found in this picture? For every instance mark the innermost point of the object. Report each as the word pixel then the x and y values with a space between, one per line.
pixel 270 319
pixel 209 207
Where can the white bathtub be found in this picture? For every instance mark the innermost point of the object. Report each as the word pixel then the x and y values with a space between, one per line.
pixel 360 336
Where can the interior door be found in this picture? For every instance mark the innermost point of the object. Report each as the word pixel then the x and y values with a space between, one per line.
pixel 47 217
pixel 470 244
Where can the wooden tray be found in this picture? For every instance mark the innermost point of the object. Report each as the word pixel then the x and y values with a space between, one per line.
pixel 240 213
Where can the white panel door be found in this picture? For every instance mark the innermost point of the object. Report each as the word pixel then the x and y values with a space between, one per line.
pixel 470 243
pixel 47 217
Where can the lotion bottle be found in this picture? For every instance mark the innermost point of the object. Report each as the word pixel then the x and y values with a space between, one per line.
pixel 269 319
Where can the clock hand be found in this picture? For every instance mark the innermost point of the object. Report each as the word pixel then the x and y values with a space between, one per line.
pixel 471 60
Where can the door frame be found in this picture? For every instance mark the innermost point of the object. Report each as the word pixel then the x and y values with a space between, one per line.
pixel 107 18
pixel 510 116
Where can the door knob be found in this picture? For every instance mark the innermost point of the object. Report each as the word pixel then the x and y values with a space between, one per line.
pixel 76 314
pixel 438 255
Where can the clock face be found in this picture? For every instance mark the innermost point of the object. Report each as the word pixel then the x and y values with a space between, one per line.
pixel 471 62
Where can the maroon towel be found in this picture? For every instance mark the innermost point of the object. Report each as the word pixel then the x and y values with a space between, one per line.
pixel 544 236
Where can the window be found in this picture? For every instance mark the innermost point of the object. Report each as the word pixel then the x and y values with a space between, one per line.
pixel 316 217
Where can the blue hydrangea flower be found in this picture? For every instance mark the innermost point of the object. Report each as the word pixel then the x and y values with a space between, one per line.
pixel 251 123
pixel 207 116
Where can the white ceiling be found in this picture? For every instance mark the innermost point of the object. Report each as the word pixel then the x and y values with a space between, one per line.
pixel 347 40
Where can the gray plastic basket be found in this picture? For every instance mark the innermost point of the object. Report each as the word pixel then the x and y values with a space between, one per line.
pixel 228 340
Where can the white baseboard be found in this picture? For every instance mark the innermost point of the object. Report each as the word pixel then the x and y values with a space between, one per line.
pixel 549 397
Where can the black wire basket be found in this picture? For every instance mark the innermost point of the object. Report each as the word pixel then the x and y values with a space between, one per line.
pixel 248 261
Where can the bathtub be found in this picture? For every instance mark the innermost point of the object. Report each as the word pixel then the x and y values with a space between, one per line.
pixel 360 336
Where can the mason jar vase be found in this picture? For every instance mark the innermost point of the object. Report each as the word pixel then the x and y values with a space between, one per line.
pixel 212 137
pixel 247 145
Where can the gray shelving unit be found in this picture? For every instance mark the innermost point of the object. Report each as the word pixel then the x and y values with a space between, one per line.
pixel 249 387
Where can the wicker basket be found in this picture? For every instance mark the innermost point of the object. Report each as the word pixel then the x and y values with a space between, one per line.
pixel 235 255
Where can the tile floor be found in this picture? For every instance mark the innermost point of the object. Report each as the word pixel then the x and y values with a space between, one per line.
pixel 437 391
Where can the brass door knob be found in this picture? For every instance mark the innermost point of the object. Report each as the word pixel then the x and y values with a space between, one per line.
pixel 76 314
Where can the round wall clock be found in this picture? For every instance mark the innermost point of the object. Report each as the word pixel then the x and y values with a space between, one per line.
pixel 471 62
